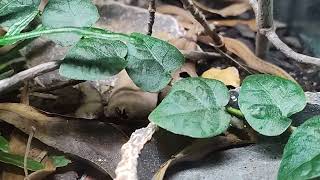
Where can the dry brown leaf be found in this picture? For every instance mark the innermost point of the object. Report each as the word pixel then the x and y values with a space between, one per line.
pixel 243 52
pixel 233 22
pixel 232 10
pixel 181 13
pixel 91 104
pixel 128 102
pixel 229 76
pixel 96 142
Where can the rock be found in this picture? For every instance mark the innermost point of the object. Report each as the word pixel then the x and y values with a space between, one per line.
pixel 255 162
pixel 70 175
pixel 126 19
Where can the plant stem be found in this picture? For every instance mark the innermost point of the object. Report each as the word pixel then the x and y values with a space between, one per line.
pixel 235 112
pixel 89 32
pixel 210 31
pixel 152 13
pixel 264 21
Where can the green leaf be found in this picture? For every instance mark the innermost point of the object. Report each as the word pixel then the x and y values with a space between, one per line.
pixel 69 13
pixel 94 59
pixel 17 13
pixel 301 156
pixel 151 62
pixel 17 27
pixel 18 161
pixel 267 101
pixel 194 107
pixel 4 144
pixel 59 161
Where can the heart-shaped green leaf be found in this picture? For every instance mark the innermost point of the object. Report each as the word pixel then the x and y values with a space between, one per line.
pixel 94 59
pixel 69 13
pixel 194 107
pixel 151 62
pixel 17 14
pixel 301 156
pixel 267 101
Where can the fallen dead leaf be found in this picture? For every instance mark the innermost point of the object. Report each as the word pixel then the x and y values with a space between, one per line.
pixel 232 10
pixel 96 142
pixel 182 14
pixel 251 23
pixel 91 105
pixel 128 102
pixel 229 76
pixel 245 54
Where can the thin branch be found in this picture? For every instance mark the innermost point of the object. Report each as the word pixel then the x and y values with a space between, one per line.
pixel 264 21
pixel 275 40
pixel 127 167
pixel 25 159
pixel 152 13
pixel 200 55
pixel 209 30
pixel 28 74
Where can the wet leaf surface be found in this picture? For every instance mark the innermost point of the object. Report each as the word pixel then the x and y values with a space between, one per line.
pixel 194 107
pixel 301 155
pixel 267 101
pixel 61 13
pixel 94 59
pixel 151 62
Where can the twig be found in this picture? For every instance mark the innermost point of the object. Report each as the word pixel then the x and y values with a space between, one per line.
pixel 33 129
pixel 199 55
pixel 264 21
pixel 209 30
pixel 152 13
pixel 60 85
pixel 28 74
pixel 275 40
pixel 127 167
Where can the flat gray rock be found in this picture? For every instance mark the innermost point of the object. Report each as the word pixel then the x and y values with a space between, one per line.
pixel 118 17
pixel 256 162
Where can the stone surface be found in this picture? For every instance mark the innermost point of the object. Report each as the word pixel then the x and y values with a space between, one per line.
pixel 118 17
pixel 256 162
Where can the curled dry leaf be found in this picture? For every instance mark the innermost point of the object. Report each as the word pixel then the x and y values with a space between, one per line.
pixel 96 142
pixel 91 105
pixel 232 10
pixel 182 14
pixel 251 23
pixel 128 102
pixel 243 52
pixel 229 76
pixel 191 153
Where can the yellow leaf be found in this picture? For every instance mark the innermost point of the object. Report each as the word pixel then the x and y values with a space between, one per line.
pixel 229 76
